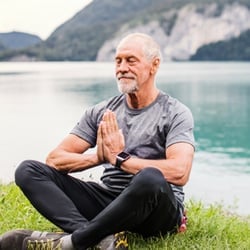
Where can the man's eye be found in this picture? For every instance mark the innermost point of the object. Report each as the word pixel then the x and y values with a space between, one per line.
pixel 132 60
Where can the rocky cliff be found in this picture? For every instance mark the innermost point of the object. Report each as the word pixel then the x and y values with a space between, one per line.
pixel 182 28
pixel 193 26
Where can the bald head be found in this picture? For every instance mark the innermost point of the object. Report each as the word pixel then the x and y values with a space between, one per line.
pixel 149 46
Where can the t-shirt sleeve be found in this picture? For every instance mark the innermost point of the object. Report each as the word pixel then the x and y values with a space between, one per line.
pixel 86 128
pixel 181 127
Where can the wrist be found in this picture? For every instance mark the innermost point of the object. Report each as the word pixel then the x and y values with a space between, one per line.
pixel 120 158
pixel 97 160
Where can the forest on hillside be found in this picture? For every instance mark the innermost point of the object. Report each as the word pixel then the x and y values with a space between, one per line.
pixel 81 37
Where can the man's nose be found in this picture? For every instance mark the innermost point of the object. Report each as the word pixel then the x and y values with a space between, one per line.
pixel 123 66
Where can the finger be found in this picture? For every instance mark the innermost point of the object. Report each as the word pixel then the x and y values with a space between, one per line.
pixel 104 117
pixel 99 134
pixel 104 122
pixel 104 129
pixel 112 121
pixel 122 137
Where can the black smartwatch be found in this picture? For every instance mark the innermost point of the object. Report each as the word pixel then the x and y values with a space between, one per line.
pixel 120 158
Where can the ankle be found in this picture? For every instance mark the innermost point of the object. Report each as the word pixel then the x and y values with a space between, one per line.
pixel 67 243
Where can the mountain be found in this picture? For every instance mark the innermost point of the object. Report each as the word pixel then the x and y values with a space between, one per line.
pixel 81 37
pixel 2 47
pixel 182 28
pixel 234 49
pixel 18 40
pixel 182 31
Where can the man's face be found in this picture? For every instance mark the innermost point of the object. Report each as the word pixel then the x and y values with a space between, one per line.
pixel 132 67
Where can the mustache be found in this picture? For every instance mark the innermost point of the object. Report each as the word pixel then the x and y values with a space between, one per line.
pixel 125 75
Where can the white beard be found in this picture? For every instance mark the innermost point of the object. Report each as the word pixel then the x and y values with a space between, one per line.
pixel 127 88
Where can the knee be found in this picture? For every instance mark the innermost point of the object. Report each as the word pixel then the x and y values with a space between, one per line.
pixel 23 172
pixel 151 179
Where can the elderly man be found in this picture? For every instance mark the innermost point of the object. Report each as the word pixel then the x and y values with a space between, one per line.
pixel 144 140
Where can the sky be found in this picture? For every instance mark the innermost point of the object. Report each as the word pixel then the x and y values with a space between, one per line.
pixel 38 17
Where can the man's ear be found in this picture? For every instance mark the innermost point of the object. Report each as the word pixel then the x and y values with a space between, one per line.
pixel 155 65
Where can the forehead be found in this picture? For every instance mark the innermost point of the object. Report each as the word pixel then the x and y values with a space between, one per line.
pixel 130 48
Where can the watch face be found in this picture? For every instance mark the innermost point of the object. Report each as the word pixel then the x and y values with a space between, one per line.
pixel 123 155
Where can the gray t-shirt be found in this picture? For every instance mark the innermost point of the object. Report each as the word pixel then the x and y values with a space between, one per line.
pixel 147 132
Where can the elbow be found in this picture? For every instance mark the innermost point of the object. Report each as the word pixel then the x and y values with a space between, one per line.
pixel 182 180
pixel 50 159
pixel 182 177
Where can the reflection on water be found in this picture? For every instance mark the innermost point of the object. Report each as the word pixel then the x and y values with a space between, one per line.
pixel 41 102
pixel 93 91
pixel 221 109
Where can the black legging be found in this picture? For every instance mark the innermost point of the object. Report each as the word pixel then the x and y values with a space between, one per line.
pixel 91 212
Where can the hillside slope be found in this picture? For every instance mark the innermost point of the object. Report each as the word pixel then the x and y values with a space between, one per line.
pixel 233 50
pixel 18 40
pixel 181 32
pixel 181 27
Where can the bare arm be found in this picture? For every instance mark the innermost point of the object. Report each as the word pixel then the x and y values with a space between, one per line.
pixel 176 167
pixel 68 155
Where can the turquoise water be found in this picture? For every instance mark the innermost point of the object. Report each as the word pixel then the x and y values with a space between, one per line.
pixel 218 95
pixel 41 102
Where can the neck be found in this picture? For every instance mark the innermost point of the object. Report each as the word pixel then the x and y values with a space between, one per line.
pixel 140 100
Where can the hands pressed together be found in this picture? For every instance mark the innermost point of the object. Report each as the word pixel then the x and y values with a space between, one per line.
pixel 110 139
pixel 68 156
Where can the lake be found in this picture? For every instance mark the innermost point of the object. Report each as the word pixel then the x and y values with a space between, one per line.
pixel 40 102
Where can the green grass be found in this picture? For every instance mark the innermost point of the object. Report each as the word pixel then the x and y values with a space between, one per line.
pixel 208 227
